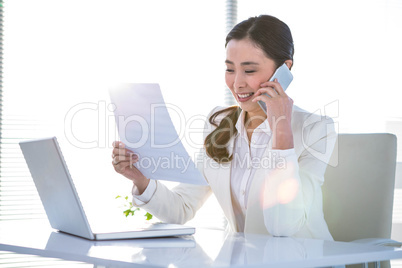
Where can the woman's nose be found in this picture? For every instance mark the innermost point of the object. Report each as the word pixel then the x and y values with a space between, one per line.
pixel 239 81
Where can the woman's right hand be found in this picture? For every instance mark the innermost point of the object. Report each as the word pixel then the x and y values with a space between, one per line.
pixel 123 160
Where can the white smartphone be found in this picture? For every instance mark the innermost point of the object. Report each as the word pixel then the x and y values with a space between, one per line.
pixel 284 77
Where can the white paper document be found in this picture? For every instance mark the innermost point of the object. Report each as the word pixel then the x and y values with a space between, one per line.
pixel 145 127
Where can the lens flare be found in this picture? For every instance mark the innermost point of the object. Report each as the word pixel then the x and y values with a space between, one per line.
pixel 287 191
pixel 279 187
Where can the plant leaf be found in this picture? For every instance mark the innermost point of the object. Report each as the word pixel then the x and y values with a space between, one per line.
pixel 128 212
pixel 149 216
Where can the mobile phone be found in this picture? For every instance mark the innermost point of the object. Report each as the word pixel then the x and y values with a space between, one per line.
pixel 284 77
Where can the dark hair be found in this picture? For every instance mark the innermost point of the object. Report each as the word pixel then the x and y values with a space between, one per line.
pixel 275 39
pixel 269 33
pixel 215 143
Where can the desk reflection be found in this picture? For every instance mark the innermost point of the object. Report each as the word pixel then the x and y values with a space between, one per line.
pixel 180 251
pixel 236 249
pixel 233 249
pixel 207 248
pixel 243 249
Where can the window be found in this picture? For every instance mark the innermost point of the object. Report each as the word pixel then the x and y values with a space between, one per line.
pixel 60 57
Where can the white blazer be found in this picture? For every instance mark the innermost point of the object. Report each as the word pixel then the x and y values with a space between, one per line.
pixel 267 212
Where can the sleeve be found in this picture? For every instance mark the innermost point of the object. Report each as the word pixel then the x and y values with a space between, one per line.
pixel 141 199
pixel 293 186
pixel 179 204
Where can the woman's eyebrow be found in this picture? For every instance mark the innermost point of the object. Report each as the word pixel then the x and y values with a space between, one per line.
pixel 243 63
pixel 248 63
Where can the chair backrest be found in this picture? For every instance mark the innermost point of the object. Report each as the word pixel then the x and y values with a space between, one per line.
pixel 358 193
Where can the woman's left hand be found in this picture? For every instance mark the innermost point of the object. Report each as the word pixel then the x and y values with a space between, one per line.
pixel 279 113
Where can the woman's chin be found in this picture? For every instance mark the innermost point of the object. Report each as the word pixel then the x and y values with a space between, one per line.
pixel 252 107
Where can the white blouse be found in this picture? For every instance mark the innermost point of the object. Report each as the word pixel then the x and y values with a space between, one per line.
pixel 284 196
pixel 246 160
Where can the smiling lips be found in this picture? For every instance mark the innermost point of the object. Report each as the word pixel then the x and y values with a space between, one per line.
pixel 245 96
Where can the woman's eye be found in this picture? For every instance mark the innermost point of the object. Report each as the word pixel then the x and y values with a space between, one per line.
pixel 229 71
pixel 249 71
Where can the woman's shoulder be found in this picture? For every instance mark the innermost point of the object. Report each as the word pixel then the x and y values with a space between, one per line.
pixel 309 127
pixel 303 118
pixel 299 112
pixel 313 133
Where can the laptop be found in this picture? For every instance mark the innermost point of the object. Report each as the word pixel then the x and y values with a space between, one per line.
pixel 62 203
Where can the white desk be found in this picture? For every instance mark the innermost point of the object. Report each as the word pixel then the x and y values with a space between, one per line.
pixel 207 248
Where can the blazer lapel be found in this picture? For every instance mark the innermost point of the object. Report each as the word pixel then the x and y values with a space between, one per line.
pixel 219 180
pixel 223 193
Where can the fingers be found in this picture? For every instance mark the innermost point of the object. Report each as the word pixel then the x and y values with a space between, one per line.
pixel 267 93
pixel 123 166
pixel 123 163
pixel 269 90
pixel 275 85
pixel 121 156
pixel 131 159
pixel 118 144
pixel 122 152
pixel 119 149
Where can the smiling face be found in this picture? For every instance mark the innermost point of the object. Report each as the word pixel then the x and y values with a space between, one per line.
pixel 247 68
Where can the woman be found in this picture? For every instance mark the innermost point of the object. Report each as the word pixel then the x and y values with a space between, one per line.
pixel 261 167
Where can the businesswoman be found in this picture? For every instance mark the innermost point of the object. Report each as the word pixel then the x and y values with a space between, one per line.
pixel 265 169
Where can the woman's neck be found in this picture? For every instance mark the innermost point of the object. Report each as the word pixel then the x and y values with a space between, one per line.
pixel 252 121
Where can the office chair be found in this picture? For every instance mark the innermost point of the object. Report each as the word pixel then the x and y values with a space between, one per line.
pixel 358 190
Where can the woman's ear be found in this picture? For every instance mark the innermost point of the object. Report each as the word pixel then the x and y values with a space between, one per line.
pixel 289 63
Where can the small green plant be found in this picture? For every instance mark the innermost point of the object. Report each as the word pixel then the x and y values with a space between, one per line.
pixel 129 209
